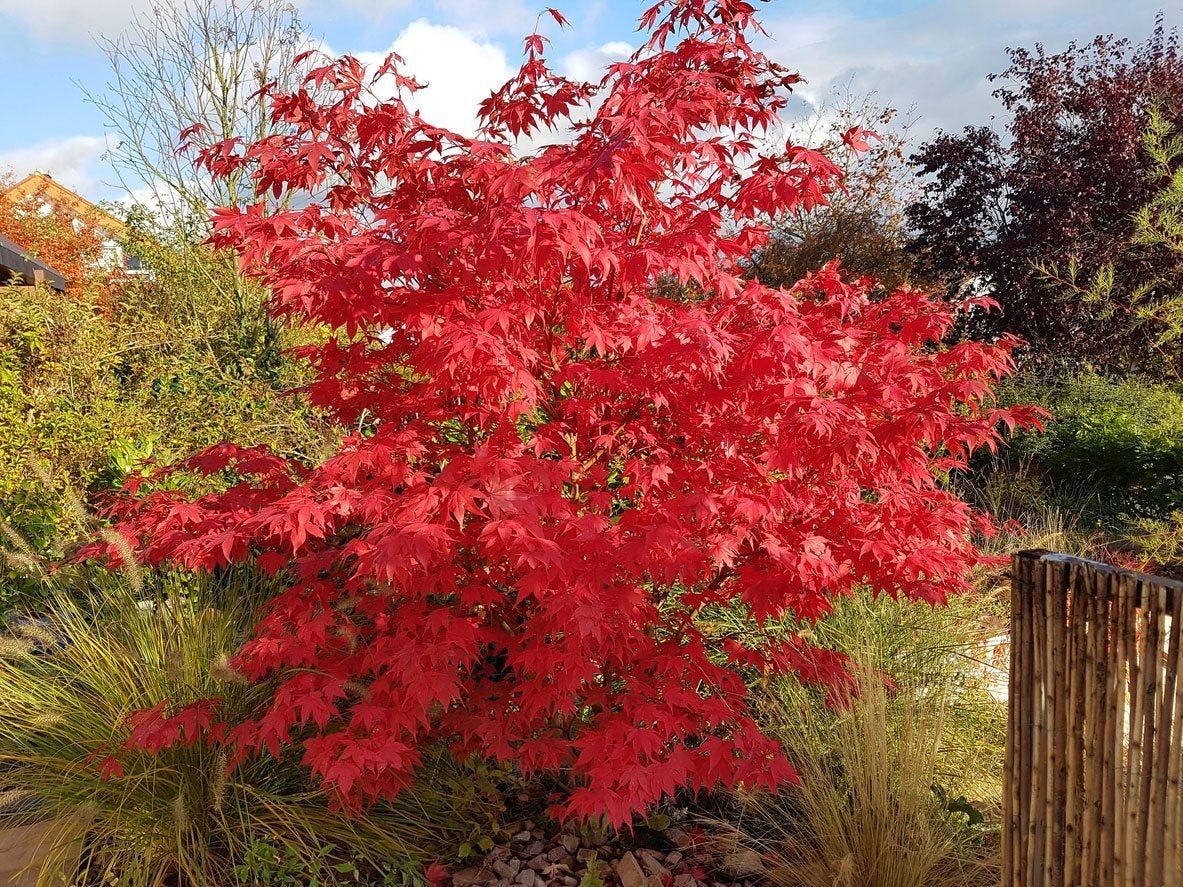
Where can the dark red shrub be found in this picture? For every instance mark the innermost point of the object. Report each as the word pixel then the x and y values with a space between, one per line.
pixel 1012 213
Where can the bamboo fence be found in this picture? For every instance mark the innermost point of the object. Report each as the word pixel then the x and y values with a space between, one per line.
pixel 1095 744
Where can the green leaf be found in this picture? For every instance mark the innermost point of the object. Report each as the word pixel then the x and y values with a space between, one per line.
pixel 659 822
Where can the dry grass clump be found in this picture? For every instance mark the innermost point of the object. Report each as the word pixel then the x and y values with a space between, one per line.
pixel 865 813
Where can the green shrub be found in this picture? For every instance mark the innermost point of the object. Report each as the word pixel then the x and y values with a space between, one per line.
pixel 97 386
pixel 1116 447
pixel 106 646
pixel 1108 470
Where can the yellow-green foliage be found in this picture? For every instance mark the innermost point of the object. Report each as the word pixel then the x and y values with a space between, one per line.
pixel 98 384
pixel 1159 224
pixel 112 646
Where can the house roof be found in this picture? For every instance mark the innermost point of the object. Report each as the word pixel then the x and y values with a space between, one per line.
pixel 14 262
pixel 43 184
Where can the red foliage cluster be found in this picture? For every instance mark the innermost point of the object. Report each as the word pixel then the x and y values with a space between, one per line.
pixel 576 425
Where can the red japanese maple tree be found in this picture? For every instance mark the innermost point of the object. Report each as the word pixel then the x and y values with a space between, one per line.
pixel 574 423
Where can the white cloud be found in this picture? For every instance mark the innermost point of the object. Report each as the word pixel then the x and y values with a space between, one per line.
pixel 76 21
pixel 589 64
pixel 75 161
pixel 514 17
pixel 459 71
pixel 936 56
pixel 492 16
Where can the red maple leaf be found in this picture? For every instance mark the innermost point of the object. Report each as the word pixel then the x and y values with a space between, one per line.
pixel 859 139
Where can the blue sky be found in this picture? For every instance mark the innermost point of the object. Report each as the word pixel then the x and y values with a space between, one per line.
pixel 932 56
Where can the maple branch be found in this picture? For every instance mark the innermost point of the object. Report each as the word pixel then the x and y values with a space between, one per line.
pixel 722 576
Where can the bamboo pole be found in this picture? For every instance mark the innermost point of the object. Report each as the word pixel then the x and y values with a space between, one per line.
pixel 1121 746
pixel 1054 597
pixel 1078 582
pixel 1036 817
pixel 1173 861
pixel 1024 724
pixel 1149 663
pixel 1134 752
pixel 1099 654
pixel 1164 651
pixel 1010 800
pixel 1112 738
pixel 1091 838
